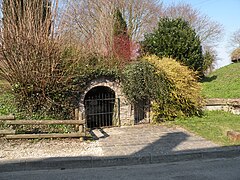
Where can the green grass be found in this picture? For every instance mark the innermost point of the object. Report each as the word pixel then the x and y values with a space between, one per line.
pixel 213 125
pixel 7 102
pixel 223 83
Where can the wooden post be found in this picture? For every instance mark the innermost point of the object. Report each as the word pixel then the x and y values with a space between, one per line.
pixel 76 114
pixel 82 128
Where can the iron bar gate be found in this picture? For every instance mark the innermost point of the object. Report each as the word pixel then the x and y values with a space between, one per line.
pixel 102 108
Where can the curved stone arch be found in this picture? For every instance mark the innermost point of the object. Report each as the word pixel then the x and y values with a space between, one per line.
pixel 113 85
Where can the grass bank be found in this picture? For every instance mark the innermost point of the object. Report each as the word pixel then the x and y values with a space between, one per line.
pixel 223 83
pixel 213 125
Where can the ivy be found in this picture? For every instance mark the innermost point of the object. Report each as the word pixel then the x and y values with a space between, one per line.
pixel 141 81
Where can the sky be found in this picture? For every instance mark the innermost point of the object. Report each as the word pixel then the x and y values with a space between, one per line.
pixel 227 13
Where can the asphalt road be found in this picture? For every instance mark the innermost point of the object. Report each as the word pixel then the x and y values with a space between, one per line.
pixel 219 169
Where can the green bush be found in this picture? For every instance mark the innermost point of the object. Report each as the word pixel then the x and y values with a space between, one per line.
pixel 184 98
pixel 172 87
pixel 174 38
pixel 208 64
pixel 141 82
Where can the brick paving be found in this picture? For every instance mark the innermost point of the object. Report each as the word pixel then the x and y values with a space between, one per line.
pixel 143 140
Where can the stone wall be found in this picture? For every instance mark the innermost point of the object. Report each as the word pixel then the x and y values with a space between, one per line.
pixel 229 105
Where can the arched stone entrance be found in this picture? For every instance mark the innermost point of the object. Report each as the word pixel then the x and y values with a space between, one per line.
pixel 100 107
pixel 121 110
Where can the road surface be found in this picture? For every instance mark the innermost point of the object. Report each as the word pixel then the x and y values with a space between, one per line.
pixel 219 169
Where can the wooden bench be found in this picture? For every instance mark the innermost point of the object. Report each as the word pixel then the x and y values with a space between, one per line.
pixel 10 134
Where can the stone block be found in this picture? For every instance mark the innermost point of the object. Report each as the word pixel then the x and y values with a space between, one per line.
pixel 233 135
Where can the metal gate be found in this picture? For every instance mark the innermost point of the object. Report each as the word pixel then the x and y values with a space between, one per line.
pixel 141 114
pixel 101 107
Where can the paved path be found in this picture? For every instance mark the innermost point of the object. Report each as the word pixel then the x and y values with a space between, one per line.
pixel 143 140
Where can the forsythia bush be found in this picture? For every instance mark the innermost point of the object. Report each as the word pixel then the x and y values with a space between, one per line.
pixel 184 98
pixel 172 87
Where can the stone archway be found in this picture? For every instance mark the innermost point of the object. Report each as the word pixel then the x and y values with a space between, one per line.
pixel 121 104
pixel 125 110
pixel 100 107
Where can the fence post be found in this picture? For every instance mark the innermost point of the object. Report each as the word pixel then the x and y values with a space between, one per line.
pixel 76 117
pixel 118 109
pixel 82 127
pixel 81 117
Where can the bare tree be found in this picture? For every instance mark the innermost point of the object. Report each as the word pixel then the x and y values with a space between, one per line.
pixel 141 16
pixel 91 22
pixel 209 31
pixel 31 52
pixel 235 39
pixel 88 23
pixel 234 43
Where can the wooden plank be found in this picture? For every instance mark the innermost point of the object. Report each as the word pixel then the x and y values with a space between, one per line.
pixel 7 132
pixel 39 136
pixel 43 122
pixel 7 117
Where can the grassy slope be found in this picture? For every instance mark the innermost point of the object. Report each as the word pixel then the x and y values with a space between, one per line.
pixel 212 126
pixel 223 83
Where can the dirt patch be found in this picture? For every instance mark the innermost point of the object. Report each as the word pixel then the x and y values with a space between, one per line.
pixel 21 149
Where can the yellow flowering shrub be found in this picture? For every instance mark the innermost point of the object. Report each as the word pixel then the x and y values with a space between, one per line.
pixel 184 97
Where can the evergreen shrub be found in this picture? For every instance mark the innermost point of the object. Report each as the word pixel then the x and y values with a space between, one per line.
pixel 174 38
